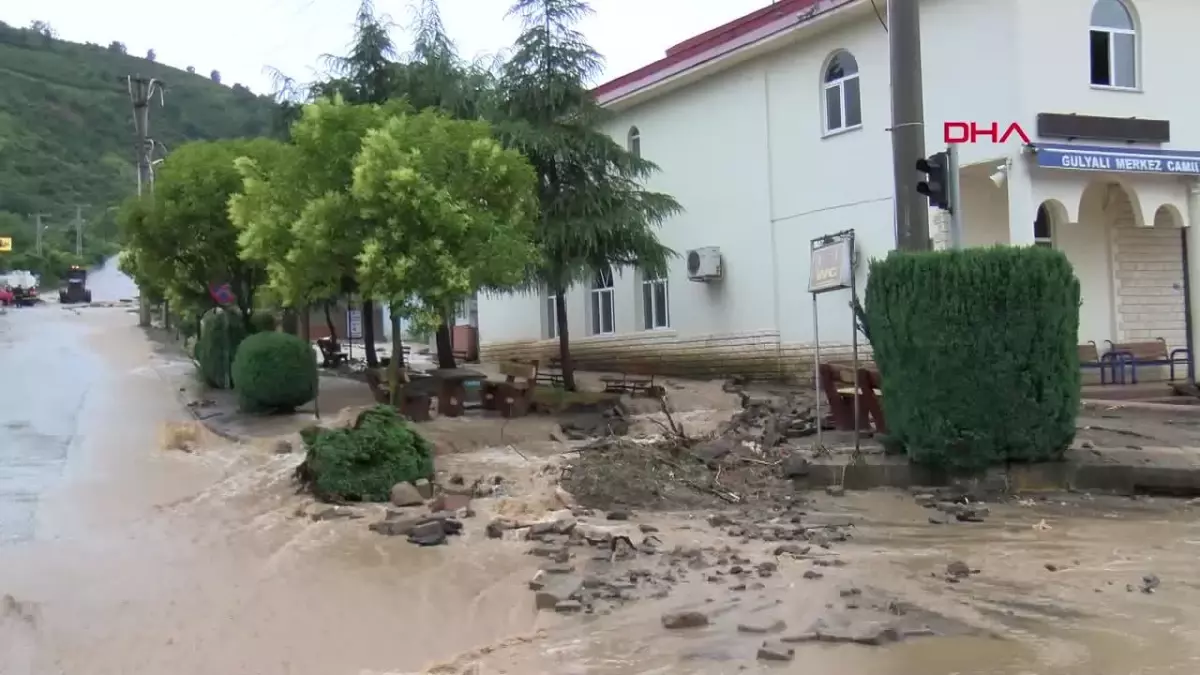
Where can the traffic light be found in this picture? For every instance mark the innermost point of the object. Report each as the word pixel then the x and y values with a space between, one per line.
pixel 936 185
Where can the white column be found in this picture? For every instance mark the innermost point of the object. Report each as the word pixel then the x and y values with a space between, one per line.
pixel 1193 260
pixel 1021 209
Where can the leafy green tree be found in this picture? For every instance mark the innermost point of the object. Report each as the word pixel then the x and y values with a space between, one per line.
pixel 595 214
pixel 453 212
pixel 295 213
pixel 182 236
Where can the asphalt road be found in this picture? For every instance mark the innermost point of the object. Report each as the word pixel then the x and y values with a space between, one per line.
pixel 47 371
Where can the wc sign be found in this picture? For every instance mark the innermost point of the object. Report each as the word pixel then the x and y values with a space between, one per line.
pixel 983 132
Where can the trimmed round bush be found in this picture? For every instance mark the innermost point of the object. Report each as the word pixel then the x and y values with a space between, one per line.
pixel 221 333
pixel 363 462
pixel 274 372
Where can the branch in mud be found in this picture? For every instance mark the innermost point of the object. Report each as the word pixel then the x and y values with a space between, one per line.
pixel 671 429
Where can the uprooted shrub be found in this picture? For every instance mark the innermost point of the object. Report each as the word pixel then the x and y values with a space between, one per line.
pixel 363 462
pixel 977 352
pixel 274 372
pixel 221 333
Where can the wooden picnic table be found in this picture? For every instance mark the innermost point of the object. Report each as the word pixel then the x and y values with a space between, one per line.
pixel 451 388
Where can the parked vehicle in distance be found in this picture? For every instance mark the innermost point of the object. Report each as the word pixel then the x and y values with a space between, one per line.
pixel 23 285
pixel 76 290
pixel 6 296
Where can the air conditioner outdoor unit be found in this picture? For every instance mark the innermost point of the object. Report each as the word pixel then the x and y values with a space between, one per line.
pixel 704 264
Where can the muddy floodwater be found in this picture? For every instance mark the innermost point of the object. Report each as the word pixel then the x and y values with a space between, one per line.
pixel 120 556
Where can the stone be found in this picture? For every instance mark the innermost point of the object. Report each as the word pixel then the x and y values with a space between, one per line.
pixel 795 466
pixel 283 447
pixel 813 574
pixel 850 591
pixel 647 528
pixel 1051 567
pixel 568 607
pixel 406 494
pixel 958 570
pixel 450 502
pixel 394 527
pixel 773 651
pixel 835 490
pixel 792 549
pixel 424 487
pixel 1150 582
pixel 556 589
pixel 719 520
pixel 926 500
pixel 681 620
pixel 872 633
pixel 428 533
pixel 765 626
pixel 498 526
pixel 617 515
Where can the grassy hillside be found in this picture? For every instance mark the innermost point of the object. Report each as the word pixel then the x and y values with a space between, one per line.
pixel 66 129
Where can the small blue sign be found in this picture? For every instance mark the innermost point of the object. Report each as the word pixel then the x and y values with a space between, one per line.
pixel 1116 159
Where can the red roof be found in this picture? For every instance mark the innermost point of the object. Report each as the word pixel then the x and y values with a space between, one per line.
pixel 707 41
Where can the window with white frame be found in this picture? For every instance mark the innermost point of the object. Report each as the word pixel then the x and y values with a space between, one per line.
pixel 604 317
pixel 656 311
pixel 843 97
pixel 1043 228
pixel 634 142
pixel 1113 45
pixel 550 315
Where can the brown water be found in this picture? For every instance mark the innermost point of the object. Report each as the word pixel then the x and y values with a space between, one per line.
pixel 141 561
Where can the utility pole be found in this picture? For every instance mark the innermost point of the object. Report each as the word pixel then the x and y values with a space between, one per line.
pixel 37 218
pixel 78 230
pixel 141 92
pixel 908 123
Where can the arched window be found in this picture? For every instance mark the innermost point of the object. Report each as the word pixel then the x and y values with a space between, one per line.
pixel 1043 228
pixel 634 142
pixel 843 97
pixel 1114 45
pixel 604 317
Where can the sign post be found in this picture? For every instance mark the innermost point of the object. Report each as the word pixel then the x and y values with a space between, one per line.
pixel 831 268
pixel 354 328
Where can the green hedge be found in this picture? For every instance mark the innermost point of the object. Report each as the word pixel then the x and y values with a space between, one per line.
pixel 978 354
pixel 220 334
pixel 362 463
pixel 274 372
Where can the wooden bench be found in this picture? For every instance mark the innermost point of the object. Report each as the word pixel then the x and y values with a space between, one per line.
pixel 551 375
pixel 632 382
pixel 838 384
pixel 1146 353
pixel 332 354
pixel 514 396
pixel 414 404
pixel 1090 357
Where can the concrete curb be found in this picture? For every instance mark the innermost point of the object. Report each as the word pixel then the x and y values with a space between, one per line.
pixel 1174 408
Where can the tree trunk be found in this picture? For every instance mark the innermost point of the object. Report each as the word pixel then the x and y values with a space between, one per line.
pixel 396 363
pixel 305 322
pixel 329 322
pixel 445 346
pixel 564 341
pixel 368 329
pixel 289 322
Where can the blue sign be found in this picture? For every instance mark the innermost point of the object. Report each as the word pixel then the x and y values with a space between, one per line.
pixel 1117 160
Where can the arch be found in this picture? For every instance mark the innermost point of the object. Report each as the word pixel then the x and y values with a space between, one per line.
pixel 1051 215
pixel 633 141
pixel 1168 215
pixel 1101 195
pixel 841 93
pixel 1114 45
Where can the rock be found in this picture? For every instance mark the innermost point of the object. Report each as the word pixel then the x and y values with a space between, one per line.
pixel 926 500
pixel 335 513
pixel 617 515
pixel 813 574
pixel 283 447
pixel 428 533
pixel 680 620
pixel 565 498
pixel 568 607
pixel 872 633
pixel 850 591
pixel 425 488
pixel 558 568
pixel 546 550
pixel 773 651
pixel 958 570
pixel 1150 582
pixel 835 490
pixel 792 549
pixel 719 520
pixel 795 466
pixel 450 502
pixel 556 589
pixel 394 527
pixel 647 528
pixel 938 520
pixel 765 569
pixel 406 494
pixel 1052 567
pixel 538 582
pixel 515 534
pixel 765 626
pixel 499 526
pixel 972 513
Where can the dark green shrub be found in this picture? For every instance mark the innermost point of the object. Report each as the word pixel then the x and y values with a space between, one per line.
pixel 274 372
pixel 220 334
pixel 977 350
pixel 363 462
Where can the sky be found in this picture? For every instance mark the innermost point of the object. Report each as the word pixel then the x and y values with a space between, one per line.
pixel 244 38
